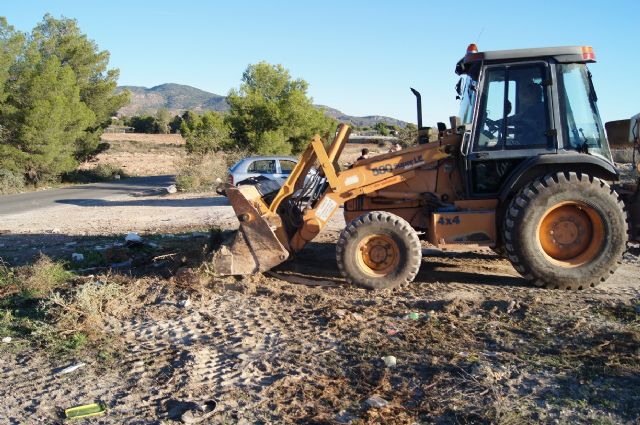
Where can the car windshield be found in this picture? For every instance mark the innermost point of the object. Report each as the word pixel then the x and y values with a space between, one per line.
pixel 583 130
pixel 467 100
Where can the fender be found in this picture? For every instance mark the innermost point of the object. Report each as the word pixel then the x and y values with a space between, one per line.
pixel 543 164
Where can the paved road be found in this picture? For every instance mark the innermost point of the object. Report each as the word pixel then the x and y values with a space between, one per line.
pixel 23 202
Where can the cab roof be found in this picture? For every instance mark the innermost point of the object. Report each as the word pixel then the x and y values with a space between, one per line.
pixel 562 54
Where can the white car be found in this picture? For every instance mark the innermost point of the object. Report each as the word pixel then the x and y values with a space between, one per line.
pixel 272 167
pixel 275 168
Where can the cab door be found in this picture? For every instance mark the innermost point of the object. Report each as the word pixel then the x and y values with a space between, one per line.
pixel 514 121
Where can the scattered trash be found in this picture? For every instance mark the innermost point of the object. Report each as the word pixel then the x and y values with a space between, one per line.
pixel 377 402
pixel 413 316
pixel 77 257
pixel 116 176
pixel 198 413
pixel 171 189
pixel 133 240
pixel 55 230
pixel 184 303
pixel 512 306
pixel 71 368
pixel 88 410
pixel 341 313
pixel 6 339
pixel 389 361
pixel 392 331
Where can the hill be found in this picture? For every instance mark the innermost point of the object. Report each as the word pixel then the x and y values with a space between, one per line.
pixel 178 98
pixel 175 97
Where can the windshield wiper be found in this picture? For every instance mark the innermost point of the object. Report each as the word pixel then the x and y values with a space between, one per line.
pixel 585 143
pixel 592 89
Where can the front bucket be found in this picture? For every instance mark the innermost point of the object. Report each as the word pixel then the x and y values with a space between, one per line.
pixel 255 248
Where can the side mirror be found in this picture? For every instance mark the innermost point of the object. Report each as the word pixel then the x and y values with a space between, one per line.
pixel 459 88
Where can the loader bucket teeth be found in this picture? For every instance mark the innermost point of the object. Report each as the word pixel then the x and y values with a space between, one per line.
pixel 255 247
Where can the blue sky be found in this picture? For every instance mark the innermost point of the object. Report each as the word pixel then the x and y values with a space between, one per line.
pixel 358 56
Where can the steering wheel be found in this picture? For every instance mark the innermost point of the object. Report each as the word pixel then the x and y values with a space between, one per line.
pixel 493 125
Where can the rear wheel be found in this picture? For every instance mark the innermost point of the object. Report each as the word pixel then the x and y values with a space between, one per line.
pixel 379 250
pixel 565 231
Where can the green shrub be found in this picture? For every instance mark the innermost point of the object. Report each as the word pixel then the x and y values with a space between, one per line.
pixel 10 182
pixel 43 276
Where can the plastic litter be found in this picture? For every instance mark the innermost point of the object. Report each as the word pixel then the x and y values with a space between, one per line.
pixel 413 316
pixel 377 402
pixel 133 239
pixel 171 189
pixel 88 410
pixel 77 257
pixel 389 361
pixel 71 368
pixel 6 339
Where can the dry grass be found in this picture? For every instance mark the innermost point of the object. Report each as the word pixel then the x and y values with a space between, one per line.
pixel 42 277
pixel 202 172
pixel 174 139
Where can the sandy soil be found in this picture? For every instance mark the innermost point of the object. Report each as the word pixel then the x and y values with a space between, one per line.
pixel 120 214
pixel 486 347
pixel 141 154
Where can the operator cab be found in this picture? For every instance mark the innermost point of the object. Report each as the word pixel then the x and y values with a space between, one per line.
pixel 520 105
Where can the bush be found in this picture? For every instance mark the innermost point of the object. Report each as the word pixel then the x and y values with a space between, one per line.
pixel 84 307
pixel 201 172
pixel 10 182
pixel 42 277
pixel 100 173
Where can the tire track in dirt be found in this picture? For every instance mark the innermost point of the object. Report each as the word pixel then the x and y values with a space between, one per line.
pixel 235 345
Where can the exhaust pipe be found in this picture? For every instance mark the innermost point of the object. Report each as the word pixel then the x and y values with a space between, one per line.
pixel 419 105
pixel 423 136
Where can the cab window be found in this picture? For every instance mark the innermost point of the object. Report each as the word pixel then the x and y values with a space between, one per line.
pixel 513 112
pixel 582 128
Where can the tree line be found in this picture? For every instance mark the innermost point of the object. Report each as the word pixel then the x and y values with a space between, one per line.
pixel 57 94
pixel 270 113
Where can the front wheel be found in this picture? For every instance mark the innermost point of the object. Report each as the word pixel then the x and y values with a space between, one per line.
pixel 379 250
pixel 565 231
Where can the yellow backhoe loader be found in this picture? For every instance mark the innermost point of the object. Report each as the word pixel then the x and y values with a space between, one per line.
pixel 525 169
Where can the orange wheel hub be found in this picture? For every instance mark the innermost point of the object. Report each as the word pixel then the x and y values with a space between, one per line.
pixel 571 234
pixel 378 255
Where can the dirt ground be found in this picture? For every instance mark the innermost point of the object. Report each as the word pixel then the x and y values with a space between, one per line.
pixel 159 154
pixel 141 154
pixel 473 342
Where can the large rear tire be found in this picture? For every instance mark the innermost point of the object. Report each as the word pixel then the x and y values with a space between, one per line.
pixel 379 250
pixel 565 231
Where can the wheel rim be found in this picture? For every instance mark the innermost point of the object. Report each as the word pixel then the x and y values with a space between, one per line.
pixel 378 255
pixel 571 234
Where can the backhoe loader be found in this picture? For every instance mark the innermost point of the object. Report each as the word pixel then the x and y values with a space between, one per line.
pixel 525 169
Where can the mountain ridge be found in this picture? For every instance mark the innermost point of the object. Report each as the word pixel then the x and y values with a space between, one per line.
pixel 178 98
